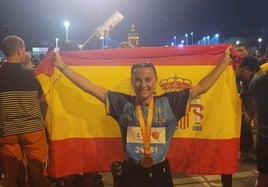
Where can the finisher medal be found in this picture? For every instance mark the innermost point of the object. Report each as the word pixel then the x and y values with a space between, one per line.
pixel 146 161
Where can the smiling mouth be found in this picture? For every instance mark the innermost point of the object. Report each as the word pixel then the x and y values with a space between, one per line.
pixel 142 91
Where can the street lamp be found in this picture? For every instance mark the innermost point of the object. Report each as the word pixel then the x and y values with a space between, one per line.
pixel 192 34
pixel 208 39
pixel 260 40
pixel 237 42
pixel 182 42
pixel 204 38
pixel 57 42
pixel 217 38
pixel 175 40
pixel 186 39
pixel 66 24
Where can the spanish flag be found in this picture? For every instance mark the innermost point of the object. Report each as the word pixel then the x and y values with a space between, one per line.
pixel 84 139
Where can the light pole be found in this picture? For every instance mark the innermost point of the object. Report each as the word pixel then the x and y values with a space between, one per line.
pixel 186 39
pixel 192 34
pixel 66 24
pixel 204 38
pixel 57 42
pixel 175 40
pixel 260 40
pixel 208 39
pixel 217 38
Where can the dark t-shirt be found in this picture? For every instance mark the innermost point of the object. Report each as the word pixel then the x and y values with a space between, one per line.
pixel 259 92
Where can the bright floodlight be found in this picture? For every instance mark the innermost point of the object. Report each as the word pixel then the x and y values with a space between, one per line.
pixel 66 24
pixel 260 40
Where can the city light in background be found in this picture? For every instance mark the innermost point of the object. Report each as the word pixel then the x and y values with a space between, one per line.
pixel 260 42
pixel 186 39
pixel 66 24
pixel 192 37
pixel 57 42
pixel 204 40
pixel 208 39
pixel 175 40
pixel 217 38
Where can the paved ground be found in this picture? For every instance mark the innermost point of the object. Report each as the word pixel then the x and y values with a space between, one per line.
pixel 245 177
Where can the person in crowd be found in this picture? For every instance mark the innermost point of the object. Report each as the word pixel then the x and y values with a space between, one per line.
pixel 23 106
pixel 125 44
pixel 145 169
pixel 246 70
pixel 28 61
pixel 259 91
pixel 246 136
pixel 243 50
pixel 261 55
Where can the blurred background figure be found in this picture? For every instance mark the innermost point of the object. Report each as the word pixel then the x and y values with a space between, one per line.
pixel 259 92
pixel 28 61
pixel 261 55
pixel 243 50
pixel 125 44
pixel 244 73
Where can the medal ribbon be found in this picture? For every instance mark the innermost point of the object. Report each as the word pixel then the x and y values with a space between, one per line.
pixel 146 129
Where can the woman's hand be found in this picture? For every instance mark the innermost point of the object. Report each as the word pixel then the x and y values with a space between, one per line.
pixel 58 62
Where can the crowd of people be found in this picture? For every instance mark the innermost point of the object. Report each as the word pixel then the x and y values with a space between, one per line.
pixel 24 142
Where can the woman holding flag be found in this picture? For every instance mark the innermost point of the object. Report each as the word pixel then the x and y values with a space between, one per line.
pixel 145 116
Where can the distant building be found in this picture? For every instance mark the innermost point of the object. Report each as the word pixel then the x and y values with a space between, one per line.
pixel 133 36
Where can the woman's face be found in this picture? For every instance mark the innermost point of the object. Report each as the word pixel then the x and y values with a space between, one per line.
pixel 144 81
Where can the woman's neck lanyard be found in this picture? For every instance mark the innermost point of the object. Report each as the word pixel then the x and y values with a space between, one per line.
pixel 147 160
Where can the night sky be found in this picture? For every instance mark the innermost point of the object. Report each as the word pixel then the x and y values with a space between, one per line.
pixel 41 21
